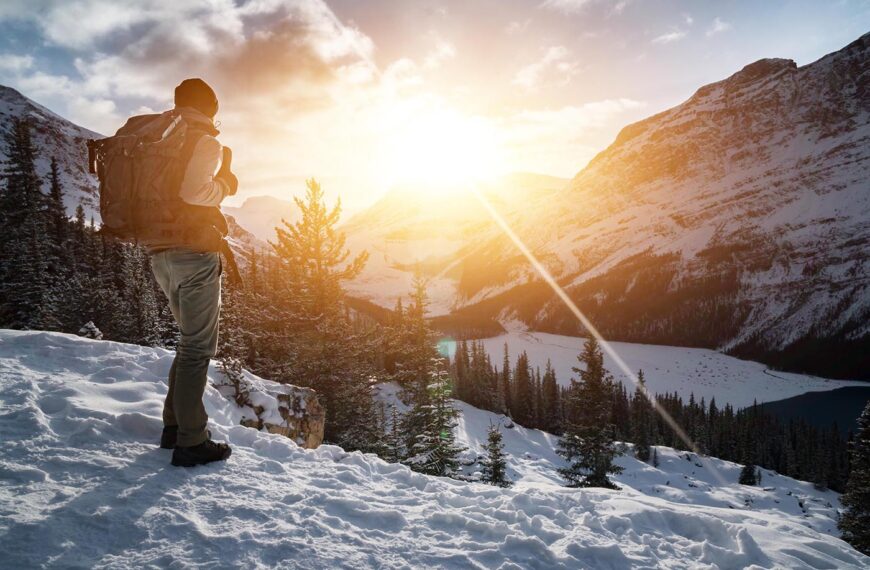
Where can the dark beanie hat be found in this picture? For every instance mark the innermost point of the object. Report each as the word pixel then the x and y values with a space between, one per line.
pixel 196 93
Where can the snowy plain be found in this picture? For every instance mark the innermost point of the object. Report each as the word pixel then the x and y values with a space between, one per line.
pixel 83 484
pixel 667 369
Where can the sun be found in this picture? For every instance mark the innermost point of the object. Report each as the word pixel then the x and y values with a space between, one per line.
pixel 442 148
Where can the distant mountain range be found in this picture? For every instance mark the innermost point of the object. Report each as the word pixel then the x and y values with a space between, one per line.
pixel 738 220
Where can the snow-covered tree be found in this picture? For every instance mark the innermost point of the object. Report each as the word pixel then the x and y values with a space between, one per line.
pixel 494 465
pixel 587 442
pixel 394 445
pixel 433 450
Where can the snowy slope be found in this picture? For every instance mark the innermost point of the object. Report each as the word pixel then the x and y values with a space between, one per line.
pixel 55 137
pixel 82 484
pixel 706 373
pixel 681 477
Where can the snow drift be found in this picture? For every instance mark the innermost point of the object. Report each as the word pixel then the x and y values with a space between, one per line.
pixel 83 484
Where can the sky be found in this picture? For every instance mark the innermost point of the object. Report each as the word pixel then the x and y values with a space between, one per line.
pixel 365 95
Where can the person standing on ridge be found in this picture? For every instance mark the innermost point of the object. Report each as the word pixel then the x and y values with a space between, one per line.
pixel 189 274
pixel 162 179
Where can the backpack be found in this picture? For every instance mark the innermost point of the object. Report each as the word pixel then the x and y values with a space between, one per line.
pixel 140 170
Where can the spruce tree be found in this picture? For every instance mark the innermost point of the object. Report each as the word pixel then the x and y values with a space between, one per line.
pixel 394 446
pixel 434 450
pixel 523 397
pixel 587 442
pixel 313 252
pixel 855 519
pixel 494 465
pixel 748 475
pixel 24 255
pixel 550 419
pixel 640 421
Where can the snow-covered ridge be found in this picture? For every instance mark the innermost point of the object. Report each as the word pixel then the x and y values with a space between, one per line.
pixel 55 137
pixel 83 484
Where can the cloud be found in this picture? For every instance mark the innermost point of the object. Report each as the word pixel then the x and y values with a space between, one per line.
pixel 669 37
pixel 562 140
pixel 516 27
pixel 577 6
pixel 15 63
pixel 717 27
pixel 565 6
pixel 442 52
pixel 555 63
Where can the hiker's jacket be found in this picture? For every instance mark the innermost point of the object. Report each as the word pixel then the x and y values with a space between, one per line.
pixel 199 186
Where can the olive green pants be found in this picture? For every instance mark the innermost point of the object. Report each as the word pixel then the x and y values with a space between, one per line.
pixel 192 284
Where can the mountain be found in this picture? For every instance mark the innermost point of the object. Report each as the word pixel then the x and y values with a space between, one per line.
pixel 55 137
pixel 260 215
pixel 432 228
pixel 737 220
pixel 85 485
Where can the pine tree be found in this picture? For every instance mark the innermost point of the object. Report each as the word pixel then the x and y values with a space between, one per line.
pixel 494 468
pixel 523 397
pixel 640 421
pixel 24 279
pixel 58 219
pixel 434 450
pixel 748 475
pixel 587 443
pixel 505 383
pixel 327 351
pixel 313 253
pixel 855 519
pixel 394 447
pixel 550 401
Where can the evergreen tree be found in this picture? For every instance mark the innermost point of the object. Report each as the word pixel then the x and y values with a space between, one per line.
pixel 550 420
pixel 641 420
pixel 433 450
pixel 328 351
pixel 523 397
pixel 505 383
pixel 494 468
pixel 394 447
pixel 855 519
pixel 24 278
pixel 748 475
pixel 58 219
pixel 315 259
pixel 587 442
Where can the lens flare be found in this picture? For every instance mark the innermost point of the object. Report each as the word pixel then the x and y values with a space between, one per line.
pixel 587 324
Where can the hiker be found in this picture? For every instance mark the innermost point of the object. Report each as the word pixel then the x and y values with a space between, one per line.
pixel 162 179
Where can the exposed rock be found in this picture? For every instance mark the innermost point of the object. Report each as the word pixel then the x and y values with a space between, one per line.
pixel 291 411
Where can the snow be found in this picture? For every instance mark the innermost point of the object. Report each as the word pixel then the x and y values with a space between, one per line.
pixel 668 369
pixel 83 484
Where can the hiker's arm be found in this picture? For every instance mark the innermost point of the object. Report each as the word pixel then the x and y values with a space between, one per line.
pixel 200 186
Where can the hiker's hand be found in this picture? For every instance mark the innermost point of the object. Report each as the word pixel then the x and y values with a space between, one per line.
pixel 227 160
pixel 225 172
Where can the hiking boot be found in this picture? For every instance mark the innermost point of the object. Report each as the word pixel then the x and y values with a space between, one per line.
pixel 168 437
pixel 206 452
